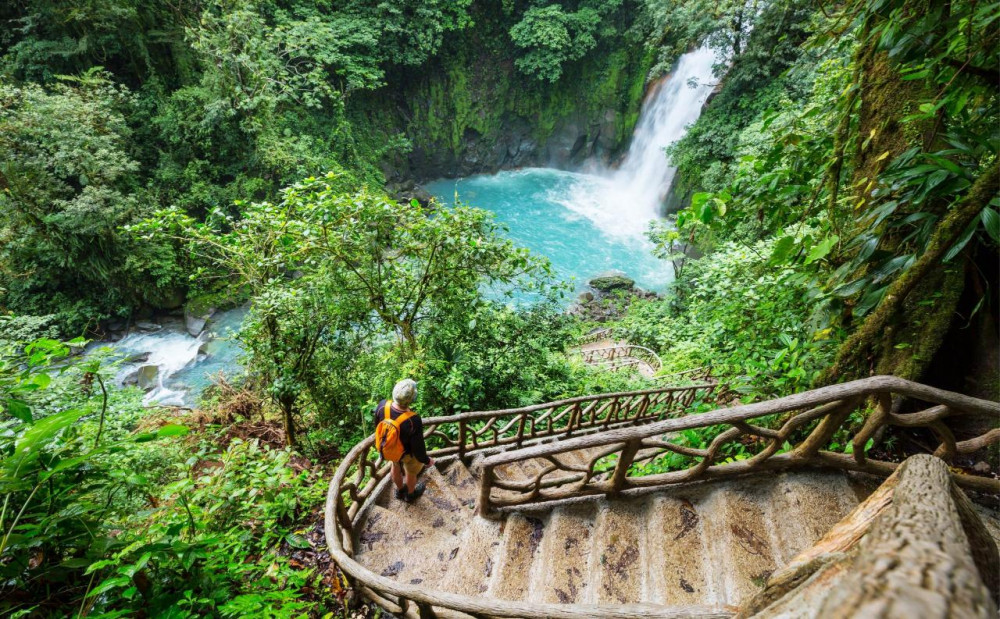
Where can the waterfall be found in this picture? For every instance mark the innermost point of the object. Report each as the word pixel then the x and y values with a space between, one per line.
pixel 645 174
pixel 623 201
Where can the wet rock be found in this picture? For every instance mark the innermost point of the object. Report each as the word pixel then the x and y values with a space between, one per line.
pixel 131 379
pixel 586 297
pixel 138 357
pixel 194 321
pixel 147 325
pixel 981 468
pixel 608 283
pixel 147 377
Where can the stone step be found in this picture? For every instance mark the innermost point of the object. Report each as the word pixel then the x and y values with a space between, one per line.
pixel 522 536
pixel 411 551
pixel 564 574
pixel 470 572
pixel 438 505
pixel 616 561
pixel 462 483
pixel 805 506
pixel 677 558
pixel 740 541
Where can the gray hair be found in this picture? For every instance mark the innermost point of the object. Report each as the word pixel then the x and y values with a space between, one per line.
pixel 405 392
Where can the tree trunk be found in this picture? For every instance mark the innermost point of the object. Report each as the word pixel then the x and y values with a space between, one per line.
pixel 855 354
pixel 288 420
pixel 923 552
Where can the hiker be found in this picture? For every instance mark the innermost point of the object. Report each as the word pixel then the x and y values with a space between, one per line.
pixel 399 438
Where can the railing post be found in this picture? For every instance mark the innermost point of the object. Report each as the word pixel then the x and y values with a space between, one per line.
pixel 574 418
pixel 621 468
pixel 483 507
pixel 872 424
pixel 461 441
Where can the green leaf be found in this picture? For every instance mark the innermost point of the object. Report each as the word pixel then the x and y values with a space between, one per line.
pixel 962 241
pixel 19 410
pixel 297 541
pixel 991 221
pixel 171 429
pixel 821 250
pixel 869 301
pixel 109 584
pixel 782 249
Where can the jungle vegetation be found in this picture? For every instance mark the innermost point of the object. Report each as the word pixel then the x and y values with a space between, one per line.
pixel 840 218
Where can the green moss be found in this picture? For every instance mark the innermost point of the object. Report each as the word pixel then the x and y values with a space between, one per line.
pixel 484 93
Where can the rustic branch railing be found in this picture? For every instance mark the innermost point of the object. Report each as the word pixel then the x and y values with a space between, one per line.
pixel 808 423
pixel 700 374
pixel 594 336
pixel 622 356
pixel 361 472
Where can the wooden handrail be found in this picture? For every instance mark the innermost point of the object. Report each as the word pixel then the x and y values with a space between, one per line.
pixel 610 355
pixel 831 406
pixel 360 476
pixel 346 498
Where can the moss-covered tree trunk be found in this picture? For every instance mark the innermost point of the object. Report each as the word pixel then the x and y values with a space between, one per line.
pixel 903 320
pixel 903 334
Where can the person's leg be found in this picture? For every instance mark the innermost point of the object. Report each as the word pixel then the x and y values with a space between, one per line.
pixel 397 475
pixel 413 468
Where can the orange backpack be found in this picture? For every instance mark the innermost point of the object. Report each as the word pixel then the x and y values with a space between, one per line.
pixel 387 434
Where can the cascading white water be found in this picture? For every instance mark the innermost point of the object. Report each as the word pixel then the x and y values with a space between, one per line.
pixel 184 364
pixel 170 352
pixel 622 201
pixel 646 174
pixel 595 223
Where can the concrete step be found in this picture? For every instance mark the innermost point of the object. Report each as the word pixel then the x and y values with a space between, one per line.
pixel 711 545
pixel 738 530
pixel 804 506
pixel 411 551
pixel 522 537
pixel 462 484
pixel 563 576
pixel 438 505
pixel 616 561
pixel 470 572
pixel 677 561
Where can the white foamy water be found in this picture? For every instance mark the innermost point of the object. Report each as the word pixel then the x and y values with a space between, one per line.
pixel 170 352
pixel 185 365
pixel 623 201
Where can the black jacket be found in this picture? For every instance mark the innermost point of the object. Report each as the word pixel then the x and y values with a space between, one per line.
pixel 411 432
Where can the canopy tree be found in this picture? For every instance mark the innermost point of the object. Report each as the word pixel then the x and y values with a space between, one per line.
pixel 333 267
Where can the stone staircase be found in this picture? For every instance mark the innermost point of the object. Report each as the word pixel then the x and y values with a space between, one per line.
pixel 578 525
pixel 704 548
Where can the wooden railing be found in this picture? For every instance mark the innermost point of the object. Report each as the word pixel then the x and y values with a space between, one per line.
pixel 806 423
pixel 623 355
pixel 357 481
pixel 700 374
pixel 594 336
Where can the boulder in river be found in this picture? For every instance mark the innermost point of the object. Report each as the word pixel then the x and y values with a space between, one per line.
pixel 138 357
pixel 147 325
pixel 147 376
pixel 607 283
pixel 194 321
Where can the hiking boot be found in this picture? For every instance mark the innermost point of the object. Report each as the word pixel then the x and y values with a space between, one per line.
pixel 401 493
pixel 417 491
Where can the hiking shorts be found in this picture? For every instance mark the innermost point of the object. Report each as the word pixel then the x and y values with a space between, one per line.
pixel 411 465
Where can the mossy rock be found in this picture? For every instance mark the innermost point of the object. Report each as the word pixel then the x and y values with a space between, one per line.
pixel 608 283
